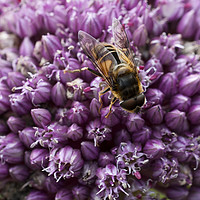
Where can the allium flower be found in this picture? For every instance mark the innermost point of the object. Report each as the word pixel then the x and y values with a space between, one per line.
pixel 111 181
pixel 57 140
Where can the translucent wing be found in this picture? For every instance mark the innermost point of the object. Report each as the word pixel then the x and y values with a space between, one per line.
pixel 100 56
pixel 121 39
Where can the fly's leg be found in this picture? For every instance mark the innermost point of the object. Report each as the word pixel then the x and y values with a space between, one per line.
pixel 100 94
pixel 83 69
pixel 114 99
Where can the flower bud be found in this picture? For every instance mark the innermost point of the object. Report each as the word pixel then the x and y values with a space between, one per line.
pixel 134 122
pixel 154 63
pixel 155 114
pixel 180 102
pixel 26 48
pixel 90 20
pixel 12 150
pixel 142 135
pixel 64 194
pixel 78 113
pixel 20 104
pixel 194 114
pixel 36 195
pixel 3 171
pixel 58 94
pixel 168 84
pixel 41 117
pixel 154 96
pixel 16 124
pixel 105 158
pixel 75 132
pixel 177 121
pixel 177 193
pixel 80 192
pixel 140 35
pixel 189 85
pixel 154 148
pixel 27 136
pixel 50 44
pixel 94 107
pixel 121 136
pixel 4 98
pixel 193 193
pixel 89 151
pixel 88 175
pixel 39 158
pixel 19 172
pixel 15 79
pixel 112 119
pixel 186 25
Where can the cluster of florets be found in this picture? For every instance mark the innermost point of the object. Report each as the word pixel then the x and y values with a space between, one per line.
pixel 54 142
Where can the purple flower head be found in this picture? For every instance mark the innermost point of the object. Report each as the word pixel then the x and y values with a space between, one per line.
pixel 11 149
pixel 98 132
pixel 105 158
pixel 78 113
pixel 177 121
pixel 189 85
pixel 75 132
pixel 64 163
pixel 37 89
pixel 88 175
pixel 111 181
pixel 27 136
pixel 50 44
pixel 26 47
pixel 89 151
pixel 130 157
pixel 80 192
pixel 58 94
pixel 41 117
pixel 154 148
pixel 165 169
pixel 19 172
pixel 75 89
pixel 54 135
pixel 16 124
pixel 15 79
pixel 64 194
pixel 180 102
pixel 134 122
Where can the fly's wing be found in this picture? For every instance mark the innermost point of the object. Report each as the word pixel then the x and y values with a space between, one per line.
pixel 100 56
pixel 121 40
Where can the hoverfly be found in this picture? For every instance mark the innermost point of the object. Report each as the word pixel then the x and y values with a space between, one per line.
pixel 117 66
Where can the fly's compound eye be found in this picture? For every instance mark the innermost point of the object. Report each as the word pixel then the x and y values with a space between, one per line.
pixel 133 103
